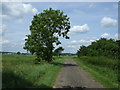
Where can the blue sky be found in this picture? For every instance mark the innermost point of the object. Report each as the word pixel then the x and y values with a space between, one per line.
pixel 89 22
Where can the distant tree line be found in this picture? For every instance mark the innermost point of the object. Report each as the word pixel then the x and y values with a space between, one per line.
pixel 102 47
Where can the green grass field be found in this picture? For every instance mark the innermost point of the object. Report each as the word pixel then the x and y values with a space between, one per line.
pixel 102 69
pixel 19 71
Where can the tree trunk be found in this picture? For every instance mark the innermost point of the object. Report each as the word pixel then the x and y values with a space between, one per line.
pixel 49 53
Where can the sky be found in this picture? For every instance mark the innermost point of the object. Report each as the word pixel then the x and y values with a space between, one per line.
pixel 90 21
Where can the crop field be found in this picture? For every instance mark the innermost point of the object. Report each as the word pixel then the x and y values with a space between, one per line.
pixel 20 71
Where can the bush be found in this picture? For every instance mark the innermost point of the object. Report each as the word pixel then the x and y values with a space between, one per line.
pixel 103 47
pixel 18 53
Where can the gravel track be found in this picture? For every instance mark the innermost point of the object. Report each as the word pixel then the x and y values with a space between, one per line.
pixel 72 76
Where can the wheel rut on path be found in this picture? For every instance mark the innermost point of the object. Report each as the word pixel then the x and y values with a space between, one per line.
pixel 71 75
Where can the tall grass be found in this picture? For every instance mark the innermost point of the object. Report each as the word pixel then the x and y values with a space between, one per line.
pixel 102 69
pixel 101 61
pixel 19 71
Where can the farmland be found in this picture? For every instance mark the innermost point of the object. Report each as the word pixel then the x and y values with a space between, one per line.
pixel 59 45
pixel 19 71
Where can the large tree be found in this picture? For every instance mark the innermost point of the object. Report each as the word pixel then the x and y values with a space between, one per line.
pixel 46 27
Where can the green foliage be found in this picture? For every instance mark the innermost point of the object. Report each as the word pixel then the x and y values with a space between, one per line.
pixel 101 61
pixel 102 47
pixel 58 51
pixel 45 30
pixel 101 68
pixel 19 71
pixel 102 55
pixel 18 53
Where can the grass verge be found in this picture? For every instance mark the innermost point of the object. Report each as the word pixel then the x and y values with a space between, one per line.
pixel 19 71
pixel 106 76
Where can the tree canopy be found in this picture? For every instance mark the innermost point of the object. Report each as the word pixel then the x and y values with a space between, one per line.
pixel 102 47
pixel 58 51
pixel 45 28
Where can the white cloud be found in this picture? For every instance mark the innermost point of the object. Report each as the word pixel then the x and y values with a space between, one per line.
pixel 116 36
pixel 4 16
pixel 105 35
pixel 108 22
pixel 28 8
pixel 2 28
pixel 17 10
pixel 34 10
pixel 92 5
pixel 4 42
pixel 72 46
pixel 25 38
pixel 82 41
pixel 79 29
pixel 113 36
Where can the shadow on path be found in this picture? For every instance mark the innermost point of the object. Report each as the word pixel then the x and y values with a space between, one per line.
pixel 73 87
pixel 65 65
pixel 72 76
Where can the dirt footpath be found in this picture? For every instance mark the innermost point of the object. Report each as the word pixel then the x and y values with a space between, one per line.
pixel 73 76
